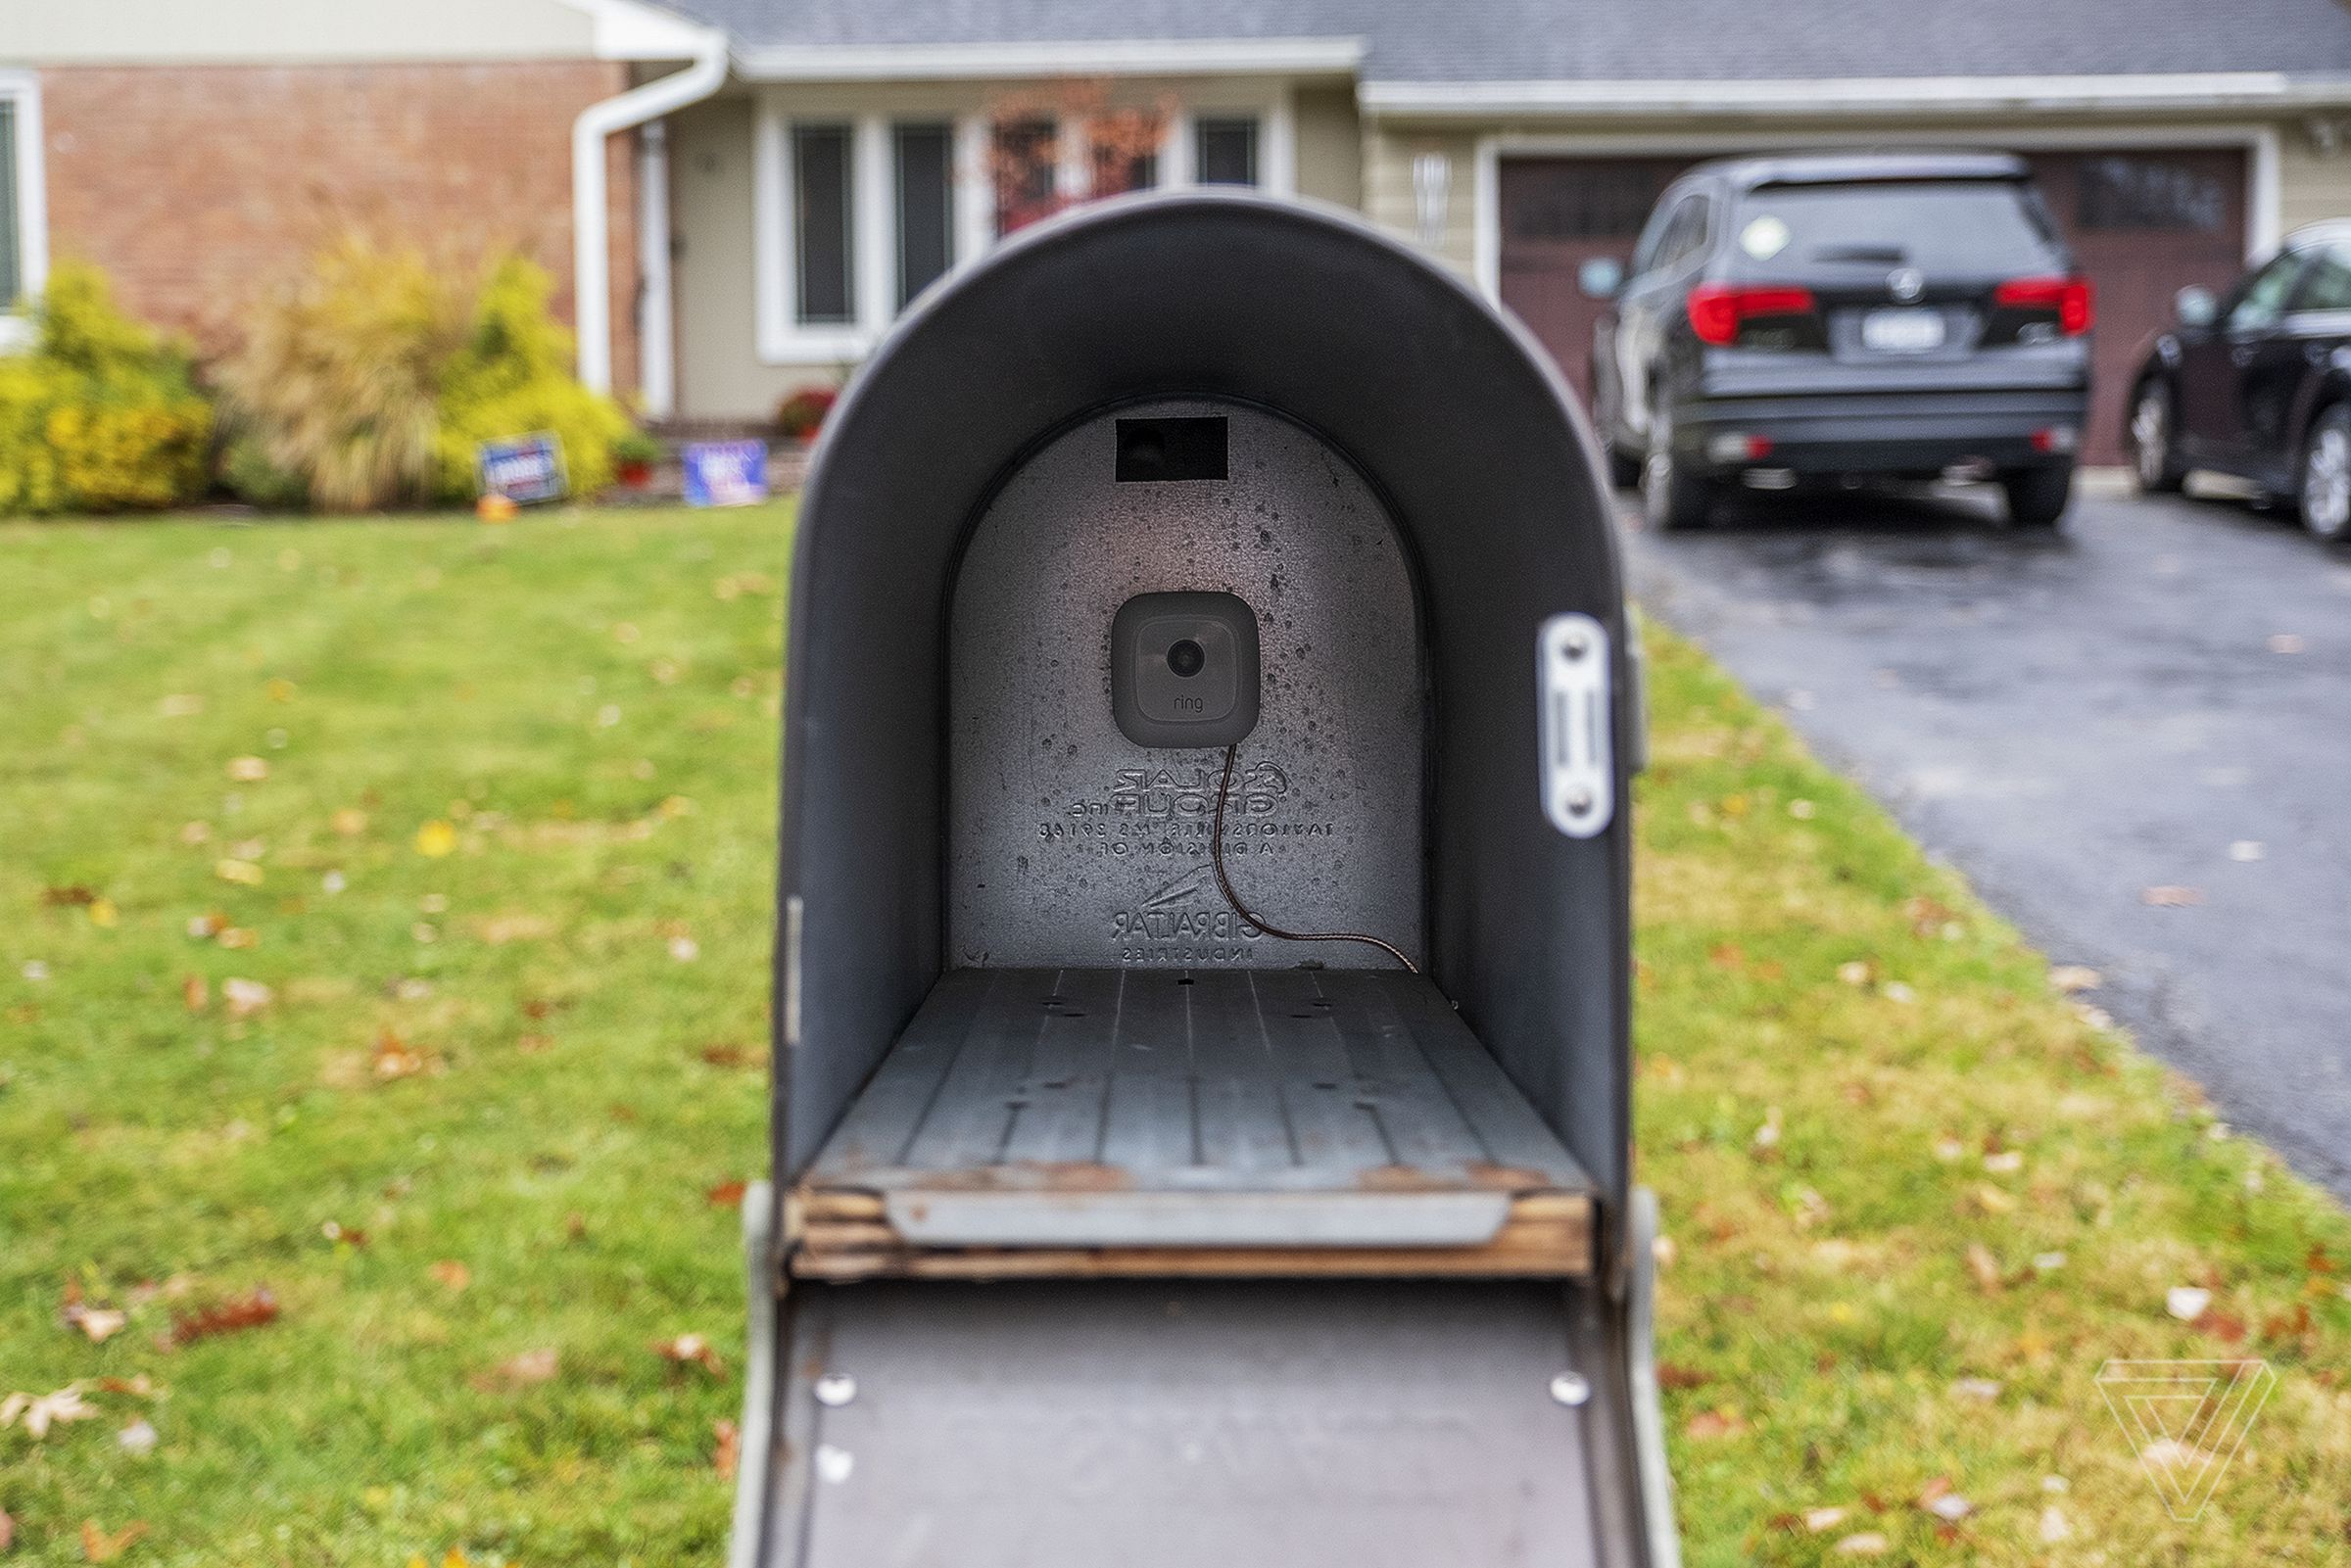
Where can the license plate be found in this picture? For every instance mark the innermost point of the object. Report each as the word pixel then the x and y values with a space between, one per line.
pixel 1902 331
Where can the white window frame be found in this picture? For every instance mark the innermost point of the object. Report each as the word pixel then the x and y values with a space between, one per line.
pixel 22 90
pixel 783 340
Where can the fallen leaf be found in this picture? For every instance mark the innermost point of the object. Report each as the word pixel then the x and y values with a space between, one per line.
pixel 2226 1327
pixel 1856 972
pixel 394 1058
pixel 731 1056
pixel 245 997
pixel 436 838
pixel 1984 1266
pixel 502 929
pixel 248 770
pixel 100 1546
pixel 2005 1162
pixel 72 897
pixel 238 937
pixel 728 1452
pixel 1867 1544
pixel 2187 1302
pixel 1671 1376
pixel 2072 978
pixel 1822 1520
pixel 522 1371
pixel 196 992
pixel 40 1411
pixel 1991 1200
pixel 1708 1424
pixel 253 1309
pixel 8 1530
pixel 349 822
pixel 2168 897
pixel 452 1273
pixel 98 1323
pixel 689 1348
pixel 211 923
pixel 727 1194
pixel 137 1438
pixel 244 872
pixel 348 1235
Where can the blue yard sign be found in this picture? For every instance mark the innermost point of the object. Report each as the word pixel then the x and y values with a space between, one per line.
pixel 524 469
pixel 725 473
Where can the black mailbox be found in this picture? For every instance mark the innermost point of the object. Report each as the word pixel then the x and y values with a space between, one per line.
pixel 1202 1071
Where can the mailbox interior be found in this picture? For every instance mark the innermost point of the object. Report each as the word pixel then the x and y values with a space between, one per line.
pixel 1414 440
pixel 1184 1419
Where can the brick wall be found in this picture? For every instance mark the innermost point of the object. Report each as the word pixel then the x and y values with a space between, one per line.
pixel 195 187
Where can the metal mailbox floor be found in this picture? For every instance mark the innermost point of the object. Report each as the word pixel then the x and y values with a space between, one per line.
pixel 1250 1109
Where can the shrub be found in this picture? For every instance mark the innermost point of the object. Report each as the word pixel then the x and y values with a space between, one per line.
pixel 512 377
pixel 800 416
pixel 333 392
pixel 104 415
pixel 371 381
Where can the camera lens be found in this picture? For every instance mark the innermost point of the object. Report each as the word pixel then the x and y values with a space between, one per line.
pixel 1186 657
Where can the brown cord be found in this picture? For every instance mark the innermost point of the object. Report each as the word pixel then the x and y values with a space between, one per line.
pixel 1216 855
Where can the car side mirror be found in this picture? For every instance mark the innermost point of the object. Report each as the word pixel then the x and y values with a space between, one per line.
pixel 2195 306
pixel 1600 278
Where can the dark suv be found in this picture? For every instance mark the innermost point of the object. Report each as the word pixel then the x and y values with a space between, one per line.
pixel 2259 385
pixel 1900 316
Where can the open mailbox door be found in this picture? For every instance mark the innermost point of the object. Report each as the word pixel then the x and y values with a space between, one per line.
pixel 1202 1070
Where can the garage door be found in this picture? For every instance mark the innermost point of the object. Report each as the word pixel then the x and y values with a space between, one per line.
pixel 2145 224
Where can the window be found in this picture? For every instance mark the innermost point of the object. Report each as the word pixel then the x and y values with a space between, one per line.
pixel 1027 166
pixel 1224 151
pixel 12 241
pixel 821 225
pixel 2262 300
pixel 2328 286
pixel 2143 194
pixel 925 168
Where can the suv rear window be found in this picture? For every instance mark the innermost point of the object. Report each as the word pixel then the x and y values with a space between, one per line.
pixel 1982 227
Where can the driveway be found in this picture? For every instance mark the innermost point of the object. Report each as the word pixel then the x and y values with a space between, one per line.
pixel 2158 698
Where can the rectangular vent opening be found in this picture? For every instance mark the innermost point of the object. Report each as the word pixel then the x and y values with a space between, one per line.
pixel 1160 451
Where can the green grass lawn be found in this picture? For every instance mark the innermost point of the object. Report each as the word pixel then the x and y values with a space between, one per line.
pixel 489 814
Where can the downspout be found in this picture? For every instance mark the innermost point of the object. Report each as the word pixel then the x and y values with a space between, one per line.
pixel 591 223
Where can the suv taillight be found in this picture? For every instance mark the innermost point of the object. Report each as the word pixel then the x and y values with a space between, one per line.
pixel 2069 297
pixel 1717 309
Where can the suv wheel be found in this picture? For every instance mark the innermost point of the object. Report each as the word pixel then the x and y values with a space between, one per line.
pixel 1673 497
pixel 2155 458
pixel 2038 497
pixel 2325 489
pixel 1624 469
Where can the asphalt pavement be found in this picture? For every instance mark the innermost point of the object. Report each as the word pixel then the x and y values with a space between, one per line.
pixel 2157 698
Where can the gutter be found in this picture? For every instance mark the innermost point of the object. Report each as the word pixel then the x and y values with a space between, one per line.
pixel 1922 96
pixel 591 223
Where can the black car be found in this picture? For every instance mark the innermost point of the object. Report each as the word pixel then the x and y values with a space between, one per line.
pixel 2259 384
pixel 1841 317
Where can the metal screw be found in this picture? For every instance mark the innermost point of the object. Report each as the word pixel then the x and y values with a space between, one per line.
pixel 1570 1388
pixel 1580 801
pixel 1576 644
pixel 835 1390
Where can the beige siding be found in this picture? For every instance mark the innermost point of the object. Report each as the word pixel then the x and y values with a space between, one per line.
pixel 1330 146
pixel 1391 201
pixel 43 33
pixel 2311 184
pixel 720 375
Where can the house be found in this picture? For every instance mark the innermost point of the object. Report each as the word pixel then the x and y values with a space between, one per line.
pixel 750 191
